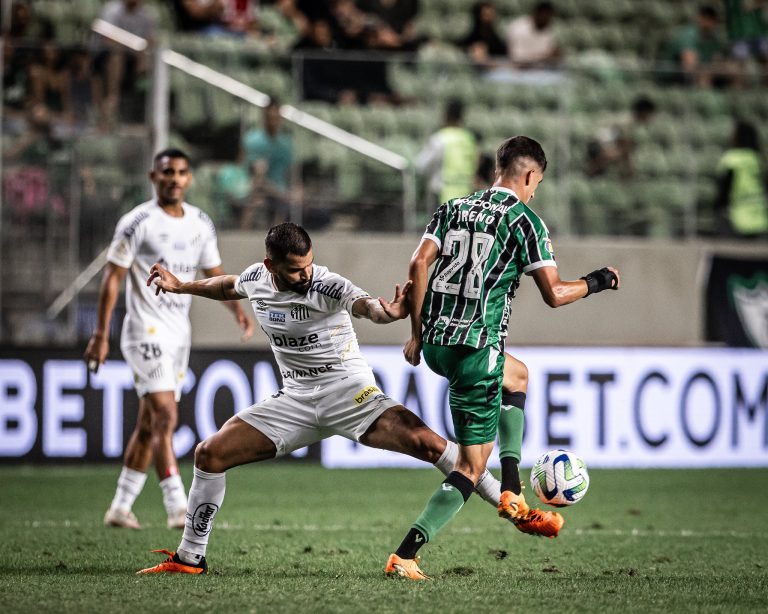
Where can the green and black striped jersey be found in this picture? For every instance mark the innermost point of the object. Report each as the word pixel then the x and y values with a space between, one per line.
pixel 486 241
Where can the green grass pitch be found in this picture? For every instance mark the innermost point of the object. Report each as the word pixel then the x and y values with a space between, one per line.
pixel 300 538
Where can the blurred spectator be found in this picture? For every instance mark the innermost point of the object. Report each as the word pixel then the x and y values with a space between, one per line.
pixel 698 51
pixel 117 69
pixel 612 148
pixel 49 81
pixel 747 31
pixel 269 154
pixel 27 183
pixel 239 17
pixel 450 158
pixel 80 86
pixel 391 24
pixel 741 203
pixel 200 16
pixel 483 42
pixel 531 40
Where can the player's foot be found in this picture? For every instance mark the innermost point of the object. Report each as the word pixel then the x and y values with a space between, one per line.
pixel 405 568
pixel 538 522
pixel 512 505
pixel 121 518
pixel 173 564
pixel 177 519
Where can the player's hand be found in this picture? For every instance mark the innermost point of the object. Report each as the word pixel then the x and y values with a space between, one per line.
pixel 618 279
pixel 412 351
pixel 245 324
pixel 398 308
pixel 96 352
pixel 163 279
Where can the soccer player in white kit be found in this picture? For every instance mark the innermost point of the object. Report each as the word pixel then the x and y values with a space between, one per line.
pixel 155 339
pixel 328 387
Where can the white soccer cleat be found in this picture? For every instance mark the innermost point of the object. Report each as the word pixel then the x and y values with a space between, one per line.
pixel 177 519
pixel 121 518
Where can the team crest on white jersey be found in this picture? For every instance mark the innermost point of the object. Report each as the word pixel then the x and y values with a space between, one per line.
pixel 299 312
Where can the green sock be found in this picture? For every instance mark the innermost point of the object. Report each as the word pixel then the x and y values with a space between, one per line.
pixel 511 426
pixel 444 504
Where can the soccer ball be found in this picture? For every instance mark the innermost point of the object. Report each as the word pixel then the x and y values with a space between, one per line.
pixel 560 478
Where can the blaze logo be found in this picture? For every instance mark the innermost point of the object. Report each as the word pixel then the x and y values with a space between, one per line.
pixel 365 393
pixel 202 519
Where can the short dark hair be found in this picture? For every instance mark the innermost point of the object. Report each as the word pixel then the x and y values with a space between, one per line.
pixel 454 111
pixel 287 238
pixel 707 10
pixel 745 136
pixel 169 152
pixel 643 105
pixel 513 150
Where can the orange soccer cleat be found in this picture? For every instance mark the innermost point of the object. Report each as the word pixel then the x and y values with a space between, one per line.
pixel 173 564
pixel 512 505
pixel 538 522
pixel 404 568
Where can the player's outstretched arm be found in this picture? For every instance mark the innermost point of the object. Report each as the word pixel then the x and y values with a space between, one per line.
pixel 221 288
pixel 243 321
pixel 557 292
pixel 382 311
pixel 418 271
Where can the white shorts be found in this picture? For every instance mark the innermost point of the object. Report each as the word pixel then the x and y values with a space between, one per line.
pixel 293 418
pixel 157 367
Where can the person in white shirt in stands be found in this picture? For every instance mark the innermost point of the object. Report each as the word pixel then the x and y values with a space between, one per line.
pixel 328 387
pixel 156 334
pixel 531 42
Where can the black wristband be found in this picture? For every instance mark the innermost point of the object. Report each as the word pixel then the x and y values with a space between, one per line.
pixel 600 280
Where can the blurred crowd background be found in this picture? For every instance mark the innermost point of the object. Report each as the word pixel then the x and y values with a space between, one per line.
pixel 652 115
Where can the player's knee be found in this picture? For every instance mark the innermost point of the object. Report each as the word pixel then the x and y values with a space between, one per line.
pixel 206 458
pixel 515 377
pixel 164 419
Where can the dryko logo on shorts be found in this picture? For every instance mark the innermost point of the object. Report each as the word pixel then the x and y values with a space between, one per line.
pixel 365 394
pixel 276 316
pixel 203 518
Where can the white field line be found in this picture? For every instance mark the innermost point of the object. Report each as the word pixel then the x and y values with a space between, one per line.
pixel 338 528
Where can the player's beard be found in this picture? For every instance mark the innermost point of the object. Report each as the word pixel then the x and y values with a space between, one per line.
pixel 299 287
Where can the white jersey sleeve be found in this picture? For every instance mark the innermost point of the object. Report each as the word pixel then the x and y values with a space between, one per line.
pixel 128 237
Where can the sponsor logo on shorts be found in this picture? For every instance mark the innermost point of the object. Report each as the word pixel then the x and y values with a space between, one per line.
pixel 202 519
pixel 311 372
pixel 362 396
pixel 276 316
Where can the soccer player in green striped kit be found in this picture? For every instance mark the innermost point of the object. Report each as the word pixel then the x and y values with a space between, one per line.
pixel 481 244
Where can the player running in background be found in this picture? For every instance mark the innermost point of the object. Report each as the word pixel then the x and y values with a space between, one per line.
pixel 155 338
pixel 328 387
pixel 482 244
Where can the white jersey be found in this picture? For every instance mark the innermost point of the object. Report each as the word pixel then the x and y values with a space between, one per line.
pixel 311 334
pixel 145 235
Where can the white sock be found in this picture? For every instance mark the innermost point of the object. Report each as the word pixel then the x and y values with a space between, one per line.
pixel 129 485
pixel 174 497
pixel 205 498
pixel 488 487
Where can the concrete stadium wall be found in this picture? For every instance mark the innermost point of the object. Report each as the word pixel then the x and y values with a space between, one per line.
pixel 660 302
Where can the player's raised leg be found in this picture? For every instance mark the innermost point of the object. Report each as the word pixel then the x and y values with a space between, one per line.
pixel 398 429
pixel 236 443
pixel 512 504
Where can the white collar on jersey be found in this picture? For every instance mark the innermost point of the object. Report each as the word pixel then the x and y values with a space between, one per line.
pixel 507 190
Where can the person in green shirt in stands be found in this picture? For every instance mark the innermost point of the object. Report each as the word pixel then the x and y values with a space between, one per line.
pixel 698 50
pixel 269 154
pixel 449 159
pixel 741 198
